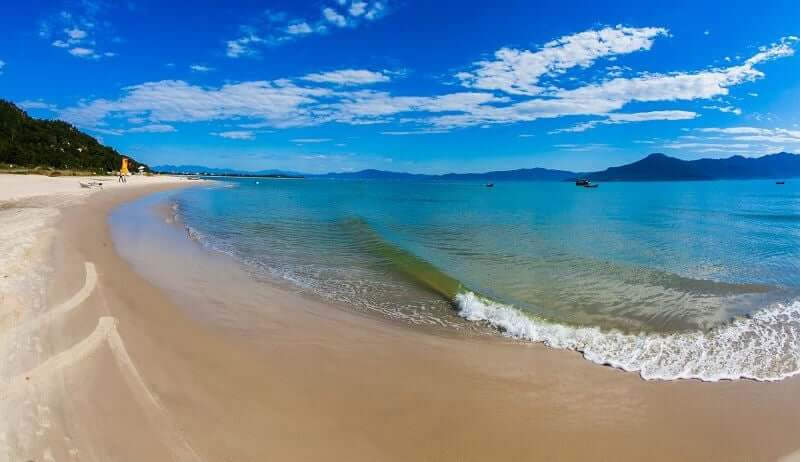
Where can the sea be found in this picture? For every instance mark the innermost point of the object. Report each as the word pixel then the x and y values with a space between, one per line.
pixel 670 280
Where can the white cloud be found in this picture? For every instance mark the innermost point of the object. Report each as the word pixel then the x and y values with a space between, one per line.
pixel 277 28
pixel 740 140
pixel 2 65
pixel 28 104
pixel 334 18
pixel 153 128
pixel 348 77
pixel 623 118
pixel 310 140
pixel 76 34
pixel 280 103
pixel 300 28
pixel 727 109
pixel 79 32
pixel 369 106
pixel 376 11
pixel 755 134
pixel 236 135
pixel 679 85
pixel 200 68
pixel 413 132
pixel 519 72
pixel 587 147
pixel 358 8
pixel 83 52
pixel 243 46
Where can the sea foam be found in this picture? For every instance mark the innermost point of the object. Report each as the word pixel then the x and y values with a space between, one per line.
pixel 764 346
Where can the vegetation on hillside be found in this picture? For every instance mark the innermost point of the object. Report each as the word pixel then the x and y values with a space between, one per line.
pixel 52 144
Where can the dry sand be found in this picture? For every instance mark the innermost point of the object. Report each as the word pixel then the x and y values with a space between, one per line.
pixel 120 371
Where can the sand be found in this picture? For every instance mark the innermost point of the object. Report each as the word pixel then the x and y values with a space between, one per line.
pixel 118 366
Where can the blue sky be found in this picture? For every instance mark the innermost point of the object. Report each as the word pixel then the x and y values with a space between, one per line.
pixel 337 85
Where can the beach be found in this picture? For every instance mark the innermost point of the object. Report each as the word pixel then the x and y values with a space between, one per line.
pixel 187 357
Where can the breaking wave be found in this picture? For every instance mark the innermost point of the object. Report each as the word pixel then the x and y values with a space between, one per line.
pixel 764 346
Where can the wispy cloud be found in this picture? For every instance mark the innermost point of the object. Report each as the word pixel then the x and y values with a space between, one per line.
pixel 244 45
pixel 310 140
pixel 2 65
pixel 519 72
pixel 79 31
pixel 29 104
pixel 741 140
pixel 728 109
pixel 236 135
pixel 275 28
pixel 756 134
pixel 624 118
pixel 153 128
pixel 428 131
pixel 348 77
pixel 200 68
pixel 586 147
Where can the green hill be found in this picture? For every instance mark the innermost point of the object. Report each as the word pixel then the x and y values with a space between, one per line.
pixel 52 144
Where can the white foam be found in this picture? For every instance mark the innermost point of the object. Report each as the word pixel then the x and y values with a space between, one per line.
pixel 763 347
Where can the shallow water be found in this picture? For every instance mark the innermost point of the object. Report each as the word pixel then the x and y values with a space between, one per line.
pixel 672 280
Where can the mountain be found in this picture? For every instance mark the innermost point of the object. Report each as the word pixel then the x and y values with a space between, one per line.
pixel 655 167
pixel 521 174
pixel 373 175
pixel 524 174
pixel 659 167
pixel 200 169
pixel 29 142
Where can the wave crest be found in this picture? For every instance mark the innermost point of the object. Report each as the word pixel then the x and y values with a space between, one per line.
pixel 763 347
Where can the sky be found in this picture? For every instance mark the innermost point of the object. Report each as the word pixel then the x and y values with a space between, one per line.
pixel 419 86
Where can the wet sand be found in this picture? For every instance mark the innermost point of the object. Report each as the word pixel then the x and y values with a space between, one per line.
pixel 253 371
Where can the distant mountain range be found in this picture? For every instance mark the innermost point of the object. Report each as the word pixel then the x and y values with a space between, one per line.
pixel 528 174
pixel 655 167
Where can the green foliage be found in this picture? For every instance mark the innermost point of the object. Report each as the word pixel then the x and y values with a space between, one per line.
pixel 28 142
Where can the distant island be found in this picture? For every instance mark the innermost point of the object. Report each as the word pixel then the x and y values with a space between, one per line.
pixel 655 167
pixel 51 146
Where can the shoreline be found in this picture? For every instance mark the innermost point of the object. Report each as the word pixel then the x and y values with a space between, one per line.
pixel 306 380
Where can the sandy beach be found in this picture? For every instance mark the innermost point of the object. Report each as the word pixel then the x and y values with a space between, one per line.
pixel 102 362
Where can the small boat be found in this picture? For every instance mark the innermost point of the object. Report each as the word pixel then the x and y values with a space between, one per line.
pixel 581 182
pixel 490 185
pixel 780 182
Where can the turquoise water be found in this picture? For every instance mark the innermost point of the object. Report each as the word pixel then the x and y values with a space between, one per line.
pixel 672 280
